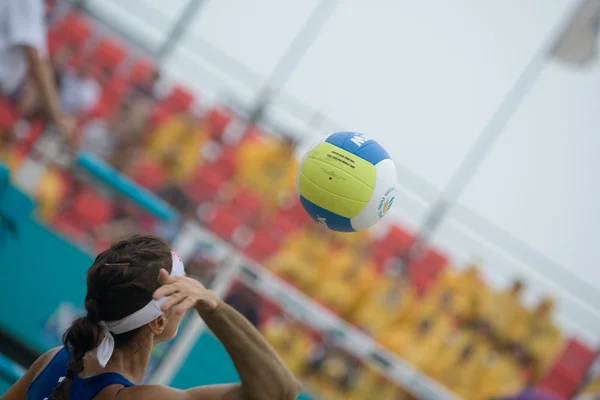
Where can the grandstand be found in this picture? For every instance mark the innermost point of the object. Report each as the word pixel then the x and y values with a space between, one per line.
pixel 347 313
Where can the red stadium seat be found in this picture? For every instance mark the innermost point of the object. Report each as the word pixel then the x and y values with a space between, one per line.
pixel 140 72
pixel 424 271
pixel 8 115
pixel 262 245
pixel 204 186
pixel 225 164
pixel 115 90
pixel 218 119
pixel 223 223
pixel 91 208
pixel 281 224
pixel 178 100
pixel 109 54
pixel 398 239
pixel 74 29
pixel 246 205
pixel 576 358
pixel 560 381
pixel 159 116
pixel 149 174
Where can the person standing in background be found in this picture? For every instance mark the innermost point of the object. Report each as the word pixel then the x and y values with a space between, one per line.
pixel 25 73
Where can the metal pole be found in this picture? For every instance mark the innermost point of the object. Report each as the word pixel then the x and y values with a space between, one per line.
pixel 292 57
pixel 488 136
pixel 189 12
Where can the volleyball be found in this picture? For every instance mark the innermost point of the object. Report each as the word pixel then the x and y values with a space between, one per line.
pixel 347 182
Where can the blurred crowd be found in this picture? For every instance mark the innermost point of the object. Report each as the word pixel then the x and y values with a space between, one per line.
pixel 240 183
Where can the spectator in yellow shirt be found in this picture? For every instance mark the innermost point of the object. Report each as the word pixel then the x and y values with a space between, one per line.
pixel 289 338
pixel 542 338
pixel 390 301
pixel 346 277
pixel 501 309
pixel 503 374
pixel 300 256
pixel 268 166
pixel 177 144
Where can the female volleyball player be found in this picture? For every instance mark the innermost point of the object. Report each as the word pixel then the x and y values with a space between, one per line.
pixel 137 292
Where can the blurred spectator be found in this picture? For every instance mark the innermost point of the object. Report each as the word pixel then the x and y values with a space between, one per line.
pixel 345 277
pixel 79 91
pixel 102 136
pixel 466 288
pixel 500 310
pixel 147 88
pixel 177 144
pixel 504 374
pixel 23 49
pixel 267 166
pixel 246 302
pixel 300 255
pixel 538 333
pixel 290 339
pixel 390 302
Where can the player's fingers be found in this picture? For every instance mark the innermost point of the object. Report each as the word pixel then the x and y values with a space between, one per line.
pixel 164 277
pixel 185 305
pixel 167 290
pixel 173 300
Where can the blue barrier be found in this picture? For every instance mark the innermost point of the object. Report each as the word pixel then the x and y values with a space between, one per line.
pixel 10 370
pixel 110 177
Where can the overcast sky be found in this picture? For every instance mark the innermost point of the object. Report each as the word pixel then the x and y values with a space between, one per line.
pixel 423 78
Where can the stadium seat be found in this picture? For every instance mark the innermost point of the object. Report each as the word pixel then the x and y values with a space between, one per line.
pixel 140 72
pixel 246 205
pixel 158 116
pixel 8 115
pixel 149 173
pixel 576 358
pixel 218 118
pixel 178 100
pixel 115 90
pixel 204 186
pixel 225 164
pixel 91 208
pixel 222 222
pixel 74 30
pixel 560 381
pixel 108 54
pixel 281 224
pixel 262 245
pixel 425 270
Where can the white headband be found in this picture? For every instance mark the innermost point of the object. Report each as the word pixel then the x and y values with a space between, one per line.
pixel 141 317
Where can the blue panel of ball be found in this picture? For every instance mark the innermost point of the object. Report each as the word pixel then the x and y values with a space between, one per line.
pixel 324 217
pixel 354 143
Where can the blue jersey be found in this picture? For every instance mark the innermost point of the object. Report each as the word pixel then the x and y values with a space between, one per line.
pixel 81 388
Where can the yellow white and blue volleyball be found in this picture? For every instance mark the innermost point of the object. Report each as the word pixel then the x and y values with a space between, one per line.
pixel 347 182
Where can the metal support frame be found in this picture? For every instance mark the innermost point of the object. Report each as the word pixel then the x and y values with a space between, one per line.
pixel 292 57
pixel 190 11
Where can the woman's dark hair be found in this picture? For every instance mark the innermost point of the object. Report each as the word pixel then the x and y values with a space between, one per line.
pixel 121 281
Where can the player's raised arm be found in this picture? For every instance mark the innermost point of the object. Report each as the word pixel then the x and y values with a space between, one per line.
pixel 263 375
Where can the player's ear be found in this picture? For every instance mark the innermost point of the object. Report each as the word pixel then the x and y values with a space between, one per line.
pixel 158 325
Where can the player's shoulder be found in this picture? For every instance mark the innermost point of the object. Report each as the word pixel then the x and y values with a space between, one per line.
pixel 42 362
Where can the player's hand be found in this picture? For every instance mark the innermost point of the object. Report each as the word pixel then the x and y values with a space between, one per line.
pixel 184 293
